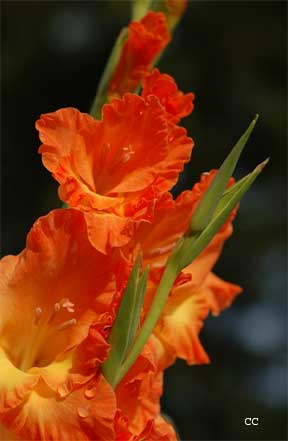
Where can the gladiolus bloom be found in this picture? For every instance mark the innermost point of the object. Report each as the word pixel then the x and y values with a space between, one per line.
pixel 54 301
pixel 114 169
pixel 146 40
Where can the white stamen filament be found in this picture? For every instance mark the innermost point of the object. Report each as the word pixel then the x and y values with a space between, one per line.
pixel 43 329
pixel 56 309
pixel 67 324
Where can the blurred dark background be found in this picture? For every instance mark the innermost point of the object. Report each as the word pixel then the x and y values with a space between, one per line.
pixel 233 56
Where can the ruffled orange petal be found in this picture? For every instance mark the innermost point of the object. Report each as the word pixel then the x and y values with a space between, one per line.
pixel 115 169
pixel 106 231
pixel 50 292
pixel 176 103
pixel 157 430
pixel 136 131
pixel 81 416
pixel 138 394
pixel 76 367
pixel 181 321
pixel 146 39
pixel 220 294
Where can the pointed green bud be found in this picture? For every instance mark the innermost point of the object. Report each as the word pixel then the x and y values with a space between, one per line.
pixel 193 246
pixel 140 8
pixel 209 201
pixel 126 322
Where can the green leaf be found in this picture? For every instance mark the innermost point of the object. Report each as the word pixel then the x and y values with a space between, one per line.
pixel 126 322
pixel 186 250
pixel 101 94
pixel 209 201
pixel 192 246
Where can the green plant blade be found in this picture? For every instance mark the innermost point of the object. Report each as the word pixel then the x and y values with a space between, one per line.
pixel 209 201
pixel 186 250
pixel 141 289
pixel 126 322
pixel 192 246
pixel 101 94
pixel 119 335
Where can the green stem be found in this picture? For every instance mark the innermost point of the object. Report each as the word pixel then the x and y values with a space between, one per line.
pixel 101 95
pixel 163 290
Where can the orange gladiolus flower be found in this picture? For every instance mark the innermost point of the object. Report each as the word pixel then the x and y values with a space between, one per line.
pixel 146 39
pixel 163 86
pixel 114 170
pixel 55 298
pixel 197 291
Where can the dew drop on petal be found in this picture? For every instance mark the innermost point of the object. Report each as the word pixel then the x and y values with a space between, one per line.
pixel 62 390
pixel 91 391
pixel 83 412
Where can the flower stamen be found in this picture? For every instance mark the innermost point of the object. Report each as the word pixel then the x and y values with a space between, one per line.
pixel 66 324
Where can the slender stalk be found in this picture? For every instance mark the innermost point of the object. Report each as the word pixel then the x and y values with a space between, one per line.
pixel 101 95
pixel 163 290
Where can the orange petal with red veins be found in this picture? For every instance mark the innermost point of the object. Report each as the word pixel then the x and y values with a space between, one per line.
pixel 176 103
pixel 181 322
pixel 80 416
pixel 146 39
pixel 220 294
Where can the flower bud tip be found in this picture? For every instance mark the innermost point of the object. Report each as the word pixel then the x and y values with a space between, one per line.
pixel 263 164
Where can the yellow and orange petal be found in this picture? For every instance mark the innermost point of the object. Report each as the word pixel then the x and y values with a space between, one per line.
pixel 146 40
pixel 52 284
pixel 81 416
pixel 55 299
pixel 114 169
pixel 176 103
pixel 181 322
pixel 183 316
